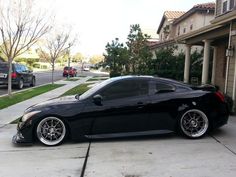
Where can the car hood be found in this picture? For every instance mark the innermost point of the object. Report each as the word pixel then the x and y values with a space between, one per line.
pixel 53 103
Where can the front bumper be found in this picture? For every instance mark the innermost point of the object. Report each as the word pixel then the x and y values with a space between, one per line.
pixel 18 138
pixel 24 134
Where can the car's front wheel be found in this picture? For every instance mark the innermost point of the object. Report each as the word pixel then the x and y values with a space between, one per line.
pixel 194 123
pixel 51 131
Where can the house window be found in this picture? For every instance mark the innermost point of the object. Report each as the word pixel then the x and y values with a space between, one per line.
pixel 227 5
pixel 184 30
pixel 191 27
pixel 178 30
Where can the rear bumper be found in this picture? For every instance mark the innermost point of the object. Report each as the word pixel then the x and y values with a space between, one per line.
pixel 5 82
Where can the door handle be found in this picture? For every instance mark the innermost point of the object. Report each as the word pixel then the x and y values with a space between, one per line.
pixel 140 105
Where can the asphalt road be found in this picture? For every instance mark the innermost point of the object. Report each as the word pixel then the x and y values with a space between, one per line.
pixel 41 78
pixel 45 77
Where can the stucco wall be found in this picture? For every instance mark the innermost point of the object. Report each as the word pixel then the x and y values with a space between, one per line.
pixel 197 20
pixel 161 34
pixel 218 7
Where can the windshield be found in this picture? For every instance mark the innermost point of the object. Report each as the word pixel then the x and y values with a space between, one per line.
pixel 94 89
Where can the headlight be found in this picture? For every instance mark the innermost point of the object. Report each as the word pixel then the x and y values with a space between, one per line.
pixel 29 115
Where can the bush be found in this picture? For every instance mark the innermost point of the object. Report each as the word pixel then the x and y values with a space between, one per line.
pixel 36 65
pixel 114 74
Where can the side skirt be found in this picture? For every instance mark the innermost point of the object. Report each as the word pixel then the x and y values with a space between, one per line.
pixel 128 134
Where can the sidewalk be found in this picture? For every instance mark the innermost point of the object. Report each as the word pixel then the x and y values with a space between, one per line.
pixel 13 112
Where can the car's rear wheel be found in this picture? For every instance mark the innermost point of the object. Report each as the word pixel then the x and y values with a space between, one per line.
pixel 194 123
pixel 20 84
pixel 51 131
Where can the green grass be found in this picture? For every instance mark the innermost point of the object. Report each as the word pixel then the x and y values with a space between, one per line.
pixel 77 90
pixel 71 79
pixel 27 94
pixel 97 79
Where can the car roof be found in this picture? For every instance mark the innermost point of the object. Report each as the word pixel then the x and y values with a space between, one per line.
pixel 166 80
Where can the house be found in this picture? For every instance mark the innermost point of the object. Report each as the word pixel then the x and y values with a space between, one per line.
pixel 165 31
pixel 197 17
pixel 220 38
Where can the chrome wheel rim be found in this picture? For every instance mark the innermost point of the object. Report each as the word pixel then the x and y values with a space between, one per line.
pixel 51 131
pixel 194 123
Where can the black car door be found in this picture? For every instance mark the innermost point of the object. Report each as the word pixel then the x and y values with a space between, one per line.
pixel 124 108
pixel 162 106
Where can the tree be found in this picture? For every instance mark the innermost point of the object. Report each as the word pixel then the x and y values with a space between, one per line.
pixel 56 45
pixel 96 59
pixel 140 55
pixel 20 28
pixel 78 57
pixel 116 57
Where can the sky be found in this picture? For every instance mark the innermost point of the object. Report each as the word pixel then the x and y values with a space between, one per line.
pixel 97 22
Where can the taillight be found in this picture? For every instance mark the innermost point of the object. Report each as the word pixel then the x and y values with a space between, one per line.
pixel 220 96
pixel 13 75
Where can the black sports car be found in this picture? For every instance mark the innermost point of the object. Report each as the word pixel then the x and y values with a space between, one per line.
pixel 125 106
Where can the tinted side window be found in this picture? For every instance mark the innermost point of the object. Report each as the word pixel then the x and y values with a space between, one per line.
pixel 164 88
pixel 124 89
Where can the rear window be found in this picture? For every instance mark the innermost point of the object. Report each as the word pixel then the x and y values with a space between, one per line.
pixel 3 67
pixel 67 68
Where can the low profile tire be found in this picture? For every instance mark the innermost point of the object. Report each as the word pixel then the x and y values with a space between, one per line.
pixel 33 82
pixel 51 131
pixel 20 84
pixel 194 124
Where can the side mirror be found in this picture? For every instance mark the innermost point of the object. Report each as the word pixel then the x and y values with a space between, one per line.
pixel 97 99
pixel 77 96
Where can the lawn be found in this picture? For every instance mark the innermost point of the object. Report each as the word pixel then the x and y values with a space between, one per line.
pixel 27 94
pixel 77 90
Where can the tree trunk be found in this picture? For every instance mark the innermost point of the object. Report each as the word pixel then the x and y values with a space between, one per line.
pixel 9 91
pixel 53 65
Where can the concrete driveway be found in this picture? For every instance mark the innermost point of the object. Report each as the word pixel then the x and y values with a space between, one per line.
pixel 164 156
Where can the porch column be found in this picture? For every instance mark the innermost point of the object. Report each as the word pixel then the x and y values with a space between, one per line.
pixel 205 66
pixel 187 63
pixel 214 66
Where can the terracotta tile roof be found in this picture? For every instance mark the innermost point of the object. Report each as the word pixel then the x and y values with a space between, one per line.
pixel 209 5
pixel 173 14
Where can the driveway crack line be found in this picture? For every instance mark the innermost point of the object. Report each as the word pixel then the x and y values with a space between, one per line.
pixel 85 160
pixel 218 141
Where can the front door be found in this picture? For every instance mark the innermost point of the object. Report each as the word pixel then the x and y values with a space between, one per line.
pixel 124 108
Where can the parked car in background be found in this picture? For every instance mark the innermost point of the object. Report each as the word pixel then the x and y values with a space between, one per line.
pixel 86 68
pixel 20 75
pixel 69 71
pixel 125 106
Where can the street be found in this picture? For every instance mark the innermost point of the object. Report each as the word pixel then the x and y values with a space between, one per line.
pixel 44 77
pixel 164 156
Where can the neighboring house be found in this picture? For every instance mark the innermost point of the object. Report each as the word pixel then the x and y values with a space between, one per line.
pixel 220 38
pixel 197 17
pixel 165 29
